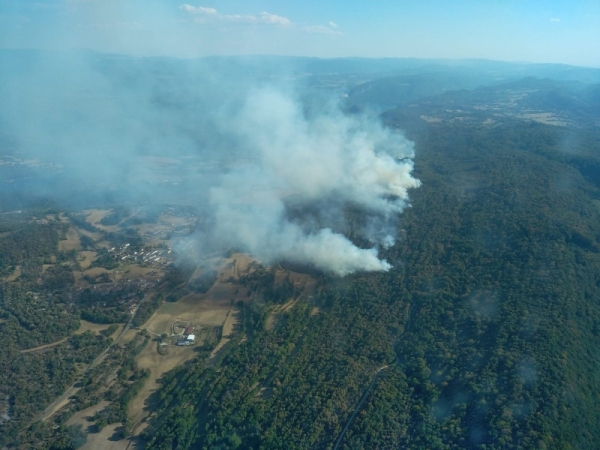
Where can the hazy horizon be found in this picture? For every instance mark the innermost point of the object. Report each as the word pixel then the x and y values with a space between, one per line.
pixel 523 32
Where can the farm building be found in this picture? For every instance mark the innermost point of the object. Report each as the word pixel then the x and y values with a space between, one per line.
pixel 189 340
pixel 189 330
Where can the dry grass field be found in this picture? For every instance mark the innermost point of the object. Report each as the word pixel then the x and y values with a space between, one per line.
pixel 206 312
pixel 158 364
pixel 95 328
pixel 209 310
pixel 72 242
pixel 94 216
pixel 172 220
pixel 86 258
pixel 102 440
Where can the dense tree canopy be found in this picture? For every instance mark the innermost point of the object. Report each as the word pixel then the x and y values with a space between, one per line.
pixel 499 258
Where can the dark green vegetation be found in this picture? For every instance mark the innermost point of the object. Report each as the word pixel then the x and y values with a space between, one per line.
pixel 500 263
pixel 40 354
pixel 35 311
pixel 485 335
pixel 31 380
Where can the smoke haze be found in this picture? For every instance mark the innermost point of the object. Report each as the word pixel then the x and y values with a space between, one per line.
pixel 236 144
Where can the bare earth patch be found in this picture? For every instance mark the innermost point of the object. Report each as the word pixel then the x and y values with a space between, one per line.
pixel 98 441
pixel 81 417
pixel 102 440
pixel 13 276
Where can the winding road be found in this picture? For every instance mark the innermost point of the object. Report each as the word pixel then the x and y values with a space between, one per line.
pixel 377 372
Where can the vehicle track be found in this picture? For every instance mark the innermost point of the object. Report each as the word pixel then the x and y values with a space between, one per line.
pixel 53 407
pixel 376 375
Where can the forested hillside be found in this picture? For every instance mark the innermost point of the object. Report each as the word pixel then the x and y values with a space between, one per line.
pixel 486 331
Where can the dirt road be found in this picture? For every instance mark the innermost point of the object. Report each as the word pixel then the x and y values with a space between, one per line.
pixel 377 372
pixel 64 398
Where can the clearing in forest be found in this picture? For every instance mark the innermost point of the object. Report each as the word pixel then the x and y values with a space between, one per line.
pixel 206 311
pixel 94 216
pixel 86 258
pixel 72 242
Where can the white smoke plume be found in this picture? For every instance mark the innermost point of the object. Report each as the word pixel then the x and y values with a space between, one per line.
pixel 328 157
pixel 238 148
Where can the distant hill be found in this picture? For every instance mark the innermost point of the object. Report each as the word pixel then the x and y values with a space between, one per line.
pixel 389 92
pixel 547 101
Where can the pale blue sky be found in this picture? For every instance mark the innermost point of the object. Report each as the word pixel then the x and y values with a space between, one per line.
pixel 526 30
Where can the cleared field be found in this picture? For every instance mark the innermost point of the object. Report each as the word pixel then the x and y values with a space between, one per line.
pixel 103 244
pixel 81 417
pixel 97 441
pixel 95 271
pixel 135 271
pixel 94 236
pixel 94 216
pixel 104 440
pixel 172 220
pixel 431 119
pixel 94 327
pixel 72 242
pixel 86 258
pixel 208 310
pixel 545 118
pixel 158 365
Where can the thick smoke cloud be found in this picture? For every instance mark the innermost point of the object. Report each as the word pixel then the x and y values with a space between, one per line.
pixel 325 159
pixel 233 139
